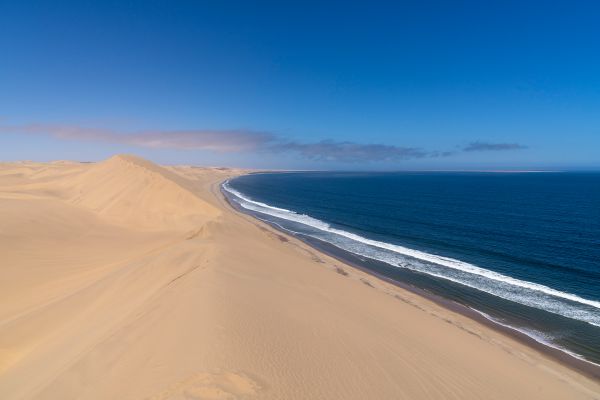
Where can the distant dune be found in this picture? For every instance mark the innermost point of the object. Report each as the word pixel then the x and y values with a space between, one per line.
pixel 128 280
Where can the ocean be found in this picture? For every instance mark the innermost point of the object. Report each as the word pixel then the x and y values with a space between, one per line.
pixel 521 249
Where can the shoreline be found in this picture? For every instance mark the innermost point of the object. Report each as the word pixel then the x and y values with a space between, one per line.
pixel 585 367
pixel 563 357
pixel 126 279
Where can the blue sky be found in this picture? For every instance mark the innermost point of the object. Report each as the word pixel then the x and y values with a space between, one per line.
pixel 341 85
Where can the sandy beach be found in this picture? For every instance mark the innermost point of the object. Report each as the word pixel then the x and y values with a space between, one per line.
pixel 124 279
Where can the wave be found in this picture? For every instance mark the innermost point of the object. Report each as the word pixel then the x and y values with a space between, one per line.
pixel 523 292
pixel 538 336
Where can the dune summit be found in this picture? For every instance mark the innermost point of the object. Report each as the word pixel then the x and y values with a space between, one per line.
pixel 128 280
pixel 133 191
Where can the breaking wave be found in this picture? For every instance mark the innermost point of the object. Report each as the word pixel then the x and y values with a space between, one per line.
pixel 523 292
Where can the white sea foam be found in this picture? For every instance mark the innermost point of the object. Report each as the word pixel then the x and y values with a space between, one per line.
pixel 538 336
pixel 527 293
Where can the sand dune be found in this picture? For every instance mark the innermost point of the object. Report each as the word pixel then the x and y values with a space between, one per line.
pixel 132 191
pixel 128 280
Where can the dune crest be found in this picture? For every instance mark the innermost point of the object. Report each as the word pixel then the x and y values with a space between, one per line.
pixel 131 191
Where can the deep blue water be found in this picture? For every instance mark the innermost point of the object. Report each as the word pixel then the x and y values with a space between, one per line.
pixel 523 248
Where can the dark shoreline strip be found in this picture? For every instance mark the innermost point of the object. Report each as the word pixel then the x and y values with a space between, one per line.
pixel 584 367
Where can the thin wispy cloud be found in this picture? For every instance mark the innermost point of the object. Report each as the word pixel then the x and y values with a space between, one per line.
pixel 211 140
pixel 328 150
pixel 485 146
pixel 237 141
pixel 227 141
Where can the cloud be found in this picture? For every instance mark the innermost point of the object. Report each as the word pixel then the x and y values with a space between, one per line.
pixel 235 141
pixel 212 140
pixel 328 150
pixel 227 141
pixel 484 146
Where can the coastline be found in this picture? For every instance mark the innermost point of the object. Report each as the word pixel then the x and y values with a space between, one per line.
pixel 562 356
pixel 577 364
pixel 126 279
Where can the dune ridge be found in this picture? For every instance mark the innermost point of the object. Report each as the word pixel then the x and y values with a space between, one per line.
pixel 130 190
pixel 124 279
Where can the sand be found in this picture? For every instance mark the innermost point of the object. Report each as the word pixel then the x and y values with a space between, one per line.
pixel 127 280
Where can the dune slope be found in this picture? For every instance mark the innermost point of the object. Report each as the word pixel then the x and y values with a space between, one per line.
pixel 132 191
pixel 128 280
